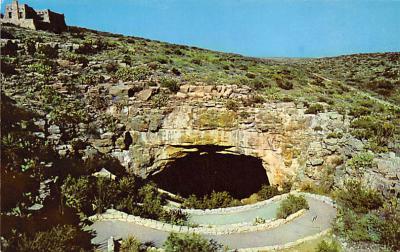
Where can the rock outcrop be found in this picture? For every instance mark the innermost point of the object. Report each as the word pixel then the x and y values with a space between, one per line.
pixel 290 143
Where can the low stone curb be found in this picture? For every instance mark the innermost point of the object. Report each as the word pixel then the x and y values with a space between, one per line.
pixel 112 214
pixel 286 245
pixel 235 209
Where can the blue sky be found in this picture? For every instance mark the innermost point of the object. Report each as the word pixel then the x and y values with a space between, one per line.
pixel 262 28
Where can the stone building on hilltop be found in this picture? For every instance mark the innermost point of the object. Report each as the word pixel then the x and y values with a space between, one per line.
pixel 25 16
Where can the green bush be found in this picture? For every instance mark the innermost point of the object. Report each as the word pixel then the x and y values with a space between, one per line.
pixel 131 244
pixel 90 79
pixel 77 193
pixel 267 192
pixel 132 73
pixel 314 108
pixel 7 66
pixel 190 243
pixel 250 75
pixel 378 226
pixel 175 216
pixel 325 246
pixel 56 239
pixel 159 100
pixel 232 105
pixel 151 202
pixel 171 84
pixel 259 83
pixel 214 200
pixel 61 110
pixel 291 205
pixel 252 100
pixel 388 228
pixel 357 197
pixel 48 51
pixel 284 84
pixel 375 128
pixel 357 227
pixel 361 160
pixel 40 68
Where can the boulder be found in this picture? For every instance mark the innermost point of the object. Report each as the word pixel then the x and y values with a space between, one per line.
pixel 145 94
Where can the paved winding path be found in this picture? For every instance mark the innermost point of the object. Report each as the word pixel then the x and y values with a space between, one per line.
pixel 313 221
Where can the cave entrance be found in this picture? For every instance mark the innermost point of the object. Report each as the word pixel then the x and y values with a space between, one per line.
pixel 208 170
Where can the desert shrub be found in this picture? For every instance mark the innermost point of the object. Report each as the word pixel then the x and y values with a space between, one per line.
pixel 176 71
pixel 358 111
pixel 48 51
pixel 196 61
pixel 220 200
pixel 10 48
pixel 175 216
pixel 131 244
pixel 77 193
pixel 361 160
pixel 40 68
pixel 90 79
pixel 267 192
pixel 91 46
pixel 62 111
pixel 170 83
pixel 7 67
pixel 30 46
pixel 357 227
pixel 378 226
pixel 132 73
pixel 232 105
pixel 314 108
pixel 357 197
pixel 159 100
pixel 162 60
pixel 80 59
pixel 192 202
pixel 105 194
pixel 252 100
pixel 284 84
pixel 388 228
pixel 375 128
pixel 259 83
pixel 190 243
pixel 152 202
pixel 291 205
pixel 214 200
pixel 335 135
pixel 250 75
pixel 57 239
pixel 326 246
pixel 382 86
pixel 111 67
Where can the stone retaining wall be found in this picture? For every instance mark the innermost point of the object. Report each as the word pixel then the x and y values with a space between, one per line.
pixel 112 214
pixel 286 245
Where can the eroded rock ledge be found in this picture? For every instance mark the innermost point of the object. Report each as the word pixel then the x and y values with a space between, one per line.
pixel 289 142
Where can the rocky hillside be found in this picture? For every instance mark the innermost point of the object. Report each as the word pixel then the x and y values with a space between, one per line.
pixel 141 105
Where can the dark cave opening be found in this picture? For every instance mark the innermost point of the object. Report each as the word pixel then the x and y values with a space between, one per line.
pixel 202 172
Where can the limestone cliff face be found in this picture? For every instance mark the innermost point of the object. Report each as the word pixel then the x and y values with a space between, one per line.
pixel 290 143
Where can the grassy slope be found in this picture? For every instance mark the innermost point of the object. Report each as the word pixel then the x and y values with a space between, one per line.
pixel 345 84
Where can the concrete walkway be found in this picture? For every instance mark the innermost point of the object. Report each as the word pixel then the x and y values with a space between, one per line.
pixel 313 221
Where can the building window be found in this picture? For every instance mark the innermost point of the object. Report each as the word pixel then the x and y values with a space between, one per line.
pixel 9 15
pixel 20 14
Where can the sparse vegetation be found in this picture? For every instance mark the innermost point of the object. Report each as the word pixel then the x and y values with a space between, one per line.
pixel 291 205
pixel 190 243
pixel 214 200
pixel 328 246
